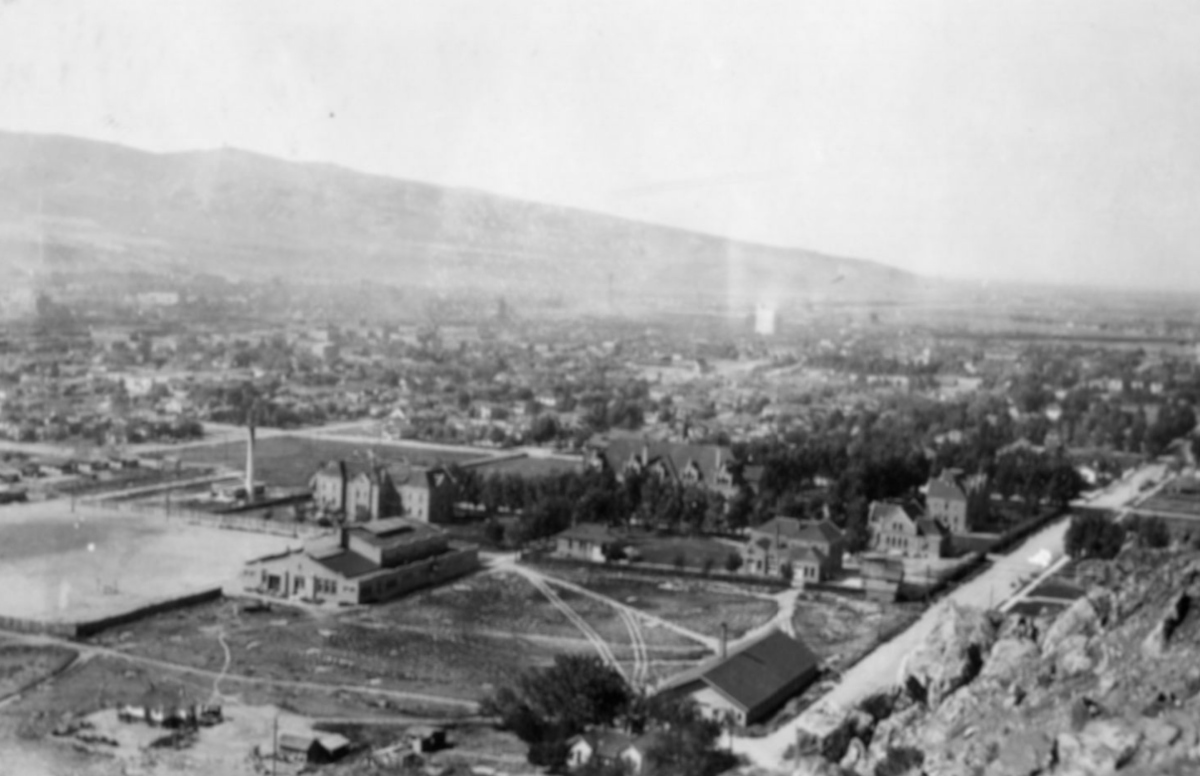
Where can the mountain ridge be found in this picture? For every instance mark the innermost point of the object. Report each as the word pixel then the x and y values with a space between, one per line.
pixel 243 212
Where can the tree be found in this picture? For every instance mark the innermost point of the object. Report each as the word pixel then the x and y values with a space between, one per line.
pixel 545 707
pixel 687 742
pixel 1091 535
pixel 733 562
pixel 1152 532
pixel 787 571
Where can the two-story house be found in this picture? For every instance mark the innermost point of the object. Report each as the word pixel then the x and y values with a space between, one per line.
pixel 903 529
pixel 814 548
pixel 959 502
pixel 710 467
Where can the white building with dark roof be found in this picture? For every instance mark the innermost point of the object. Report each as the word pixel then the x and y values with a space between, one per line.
pixel 363 563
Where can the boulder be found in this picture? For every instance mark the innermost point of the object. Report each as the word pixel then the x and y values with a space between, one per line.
pixel 1024 753
pixel 1007 659
pixel 1085 616
pixel 1156 642
pixel 1072 656
pixel 952 654
pixel 1102 746
pixel 855 754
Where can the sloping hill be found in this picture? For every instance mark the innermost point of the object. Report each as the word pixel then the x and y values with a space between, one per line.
pixel 70 203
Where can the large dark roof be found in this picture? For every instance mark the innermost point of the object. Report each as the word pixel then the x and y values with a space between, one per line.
pixel 756 673
pixel 393 532
pixel 348 564
pixel 811 531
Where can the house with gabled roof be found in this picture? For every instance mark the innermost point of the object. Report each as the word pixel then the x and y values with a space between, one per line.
pixel 711 467
pixel 959 502
pixel 902 528
pixel 379 490
pixel 608 746
pixel 813 547
pixel 362 563
pixel 750 684
pixel 586 541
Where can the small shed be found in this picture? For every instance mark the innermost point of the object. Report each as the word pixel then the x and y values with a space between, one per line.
pixel 427 738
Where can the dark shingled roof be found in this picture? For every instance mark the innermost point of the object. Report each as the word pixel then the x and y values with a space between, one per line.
pixel 348 564
pixel 811 531
pixel 751 676
pixel 754 674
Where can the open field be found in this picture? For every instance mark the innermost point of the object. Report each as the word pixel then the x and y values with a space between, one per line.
pixel 529 467
pixel 437 652
pixel 22 666
pixel 694 549
pixel 834 625
pixel 507 604
pixel 698 605
pixel 290 461
pixel 60 565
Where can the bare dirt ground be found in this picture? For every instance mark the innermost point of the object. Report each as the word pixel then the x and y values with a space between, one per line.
pixel 62 564
pixel 697 605
pixel 835 626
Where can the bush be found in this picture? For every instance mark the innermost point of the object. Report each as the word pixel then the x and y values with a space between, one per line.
pixel 1152 533
pixel 733 562
pixel 1094 536
pixel 786 571
pixel 493 532
pixel 900 761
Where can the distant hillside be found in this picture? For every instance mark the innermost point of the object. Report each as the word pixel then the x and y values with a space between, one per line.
pixel 69 204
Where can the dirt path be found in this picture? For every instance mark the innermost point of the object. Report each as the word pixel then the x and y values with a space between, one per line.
pixel 709 642
pixel 94 650
pixel 592 636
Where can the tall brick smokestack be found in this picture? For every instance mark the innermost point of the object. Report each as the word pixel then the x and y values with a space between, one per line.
pixel 250 460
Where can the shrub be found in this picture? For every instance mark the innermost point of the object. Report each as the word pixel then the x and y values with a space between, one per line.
pixel 786 571
pixel 1152 532
pixel 899 761
pixel 733 562
pixel 1094 536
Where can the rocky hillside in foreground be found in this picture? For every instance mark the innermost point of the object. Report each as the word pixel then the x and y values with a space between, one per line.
pixel 1112 685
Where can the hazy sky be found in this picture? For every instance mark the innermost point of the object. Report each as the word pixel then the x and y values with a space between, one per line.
pixel 1039 140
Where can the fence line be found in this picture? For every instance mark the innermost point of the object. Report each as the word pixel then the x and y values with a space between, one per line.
pixel 210 520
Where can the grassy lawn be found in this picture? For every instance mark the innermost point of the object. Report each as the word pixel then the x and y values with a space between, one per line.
pixel 21 666
pixel 695 550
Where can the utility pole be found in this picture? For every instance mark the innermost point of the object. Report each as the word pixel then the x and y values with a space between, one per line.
pixel 275 745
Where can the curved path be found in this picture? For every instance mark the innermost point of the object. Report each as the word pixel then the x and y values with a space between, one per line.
pixel 92 649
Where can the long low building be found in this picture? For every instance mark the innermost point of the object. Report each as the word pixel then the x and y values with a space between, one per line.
pixel 751 684
pixel 363 563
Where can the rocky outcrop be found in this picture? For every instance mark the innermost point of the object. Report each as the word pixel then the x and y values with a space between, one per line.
pixel 1156 642
pixel 952 655
pixel 1112 685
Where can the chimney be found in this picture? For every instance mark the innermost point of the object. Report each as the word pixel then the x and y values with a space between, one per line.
pixel 250 461
pixel 724 641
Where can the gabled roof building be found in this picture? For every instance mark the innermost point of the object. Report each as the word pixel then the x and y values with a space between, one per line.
pixel 363 563
pixel 750 684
